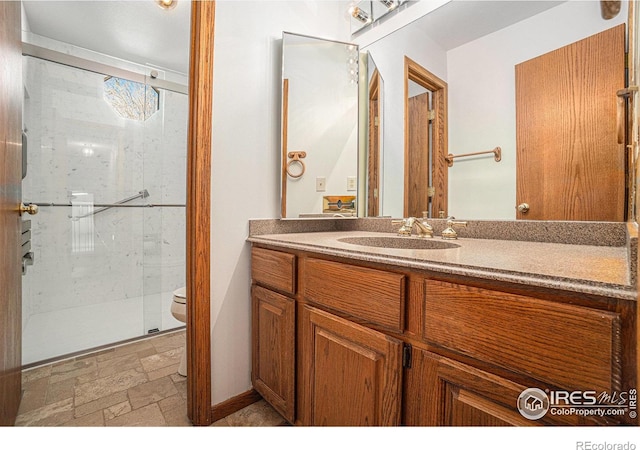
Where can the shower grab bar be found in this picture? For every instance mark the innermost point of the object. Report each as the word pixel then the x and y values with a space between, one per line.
pixel 119 204
pixel 142 194
pixel 112 205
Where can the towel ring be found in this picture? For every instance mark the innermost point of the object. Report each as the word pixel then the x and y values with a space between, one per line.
pixel 296 158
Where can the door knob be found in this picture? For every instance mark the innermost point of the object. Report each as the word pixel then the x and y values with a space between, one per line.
pixel 523 208
pixel 30 208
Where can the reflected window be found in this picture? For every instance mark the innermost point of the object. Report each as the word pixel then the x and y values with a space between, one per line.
pixel 130 99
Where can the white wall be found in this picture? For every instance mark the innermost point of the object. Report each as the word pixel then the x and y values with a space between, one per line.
pixel 481 78
pixel 246 159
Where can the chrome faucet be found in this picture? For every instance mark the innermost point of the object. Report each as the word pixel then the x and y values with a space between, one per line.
pixel 423 228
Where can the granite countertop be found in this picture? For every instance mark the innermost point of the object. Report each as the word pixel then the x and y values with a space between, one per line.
pixel 589 269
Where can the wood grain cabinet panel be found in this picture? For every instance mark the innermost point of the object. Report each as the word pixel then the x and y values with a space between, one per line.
pixel 350 375
pixel 273 360
pixel 471 397
pixel 369 294
pixel 570 346
pixel 274 269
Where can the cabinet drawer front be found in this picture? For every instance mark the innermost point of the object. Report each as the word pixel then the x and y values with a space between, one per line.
pixel 372 295
pixel 572 347
pixel 274 269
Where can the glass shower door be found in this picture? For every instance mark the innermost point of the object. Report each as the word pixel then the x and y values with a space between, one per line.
pixel 95 142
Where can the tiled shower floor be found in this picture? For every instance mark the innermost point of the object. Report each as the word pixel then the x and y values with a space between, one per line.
pixel 132 385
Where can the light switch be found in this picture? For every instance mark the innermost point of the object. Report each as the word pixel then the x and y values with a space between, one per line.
pixel 321 184
pixel 351 184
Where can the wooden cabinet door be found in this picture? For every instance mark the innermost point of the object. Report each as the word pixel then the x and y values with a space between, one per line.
pixel 349 375
pixel 273 360
pixel 471 397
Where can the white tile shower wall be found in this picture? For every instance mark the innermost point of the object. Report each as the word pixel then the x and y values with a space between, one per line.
pixel 77 143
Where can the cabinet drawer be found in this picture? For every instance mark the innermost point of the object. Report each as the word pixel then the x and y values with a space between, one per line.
pixel 369 294
pixel 569 346
pixel 274 269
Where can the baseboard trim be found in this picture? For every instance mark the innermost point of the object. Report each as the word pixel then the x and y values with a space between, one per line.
pixel 228 407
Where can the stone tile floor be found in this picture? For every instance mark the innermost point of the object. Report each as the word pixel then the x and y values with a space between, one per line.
pixel 135 384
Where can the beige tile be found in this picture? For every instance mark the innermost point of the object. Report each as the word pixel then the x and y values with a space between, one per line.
pixel 117 410
pixel 259 414
pixel 101 403
pixel 220 423
pixel 34 395
pixel 35 374
pixel 118 364
pixel 163 372
pixel 160 360
pixel 48 415
pixel 169 342
pixel 174 409
pixel 91 420
pixel 149 416
pixel 126 350
pixel 60 391
pixel 151 392
pixel 73 369
pixel 102 387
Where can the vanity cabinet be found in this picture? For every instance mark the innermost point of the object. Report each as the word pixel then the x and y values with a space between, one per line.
pixel 273 329
pixel 341 342
pixel 349 375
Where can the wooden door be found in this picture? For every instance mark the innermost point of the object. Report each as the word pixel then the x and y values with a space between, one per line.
pixel 273 360
pixel 349 375
pixel 419 174
pixel 10 196
pixel 569 164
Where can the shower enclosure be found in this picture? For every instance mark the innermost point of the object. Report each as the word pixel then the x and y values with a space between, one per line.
pixel 106 164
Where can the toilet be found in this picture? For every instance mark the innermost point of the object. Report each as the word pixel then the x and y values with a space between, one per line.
pixel 179 311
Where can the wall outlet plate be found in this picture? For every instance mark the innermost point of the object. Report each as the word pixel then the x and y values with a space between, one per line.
pixel 321 184
pixel 352 183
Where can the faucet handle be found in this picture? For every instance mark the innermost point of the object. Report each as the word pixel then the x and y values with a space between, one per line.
pixel 449 232
pixel 407 224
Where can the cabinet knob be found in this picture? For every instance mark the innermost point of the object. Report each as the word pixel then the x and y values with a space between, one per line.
pixel 523 208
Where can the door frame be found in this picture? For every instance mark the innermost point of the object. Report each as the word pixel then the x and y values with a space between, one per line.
pixel 198 229
pixel 418 74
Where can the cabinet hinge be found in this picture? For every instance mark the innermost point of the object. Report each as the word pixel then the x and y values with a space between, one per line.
pixel 376 121
pixel 406 356
pixel 432 114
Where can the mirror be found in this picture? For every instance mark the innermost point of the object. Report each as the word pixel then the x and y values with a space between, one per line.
pixel 319 127
pixel 373 86
pixel 478 64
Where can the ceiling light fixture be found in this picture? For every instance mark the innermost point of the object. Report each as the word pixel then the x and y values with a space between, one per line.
pixel 359 14
pixel 390 4
pixel 167 4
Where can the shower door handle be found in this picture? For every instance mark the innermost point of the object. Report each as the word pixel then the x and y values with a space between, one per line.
pixel 30 208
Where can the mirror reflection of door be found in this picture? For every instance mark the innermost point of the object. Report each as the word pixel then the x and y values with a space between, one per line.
pixel 567 134
pixel 425 169
pixel 373 152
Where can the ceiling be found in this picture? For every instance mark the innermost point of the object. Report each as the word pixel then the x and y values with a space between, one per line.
pixel 142 32
pixel 462 21
pixel 134 30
